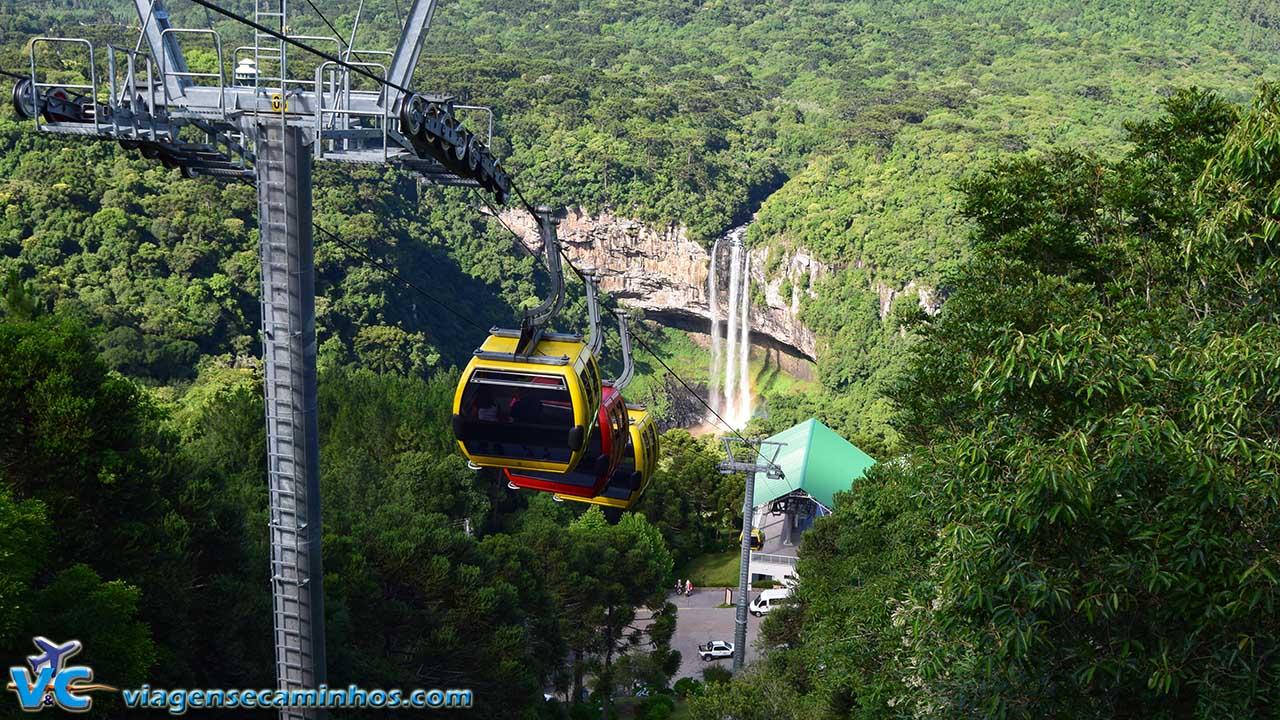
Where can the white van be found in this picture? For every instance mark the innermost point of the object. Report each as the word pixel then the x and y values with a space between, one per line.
pixel 768 600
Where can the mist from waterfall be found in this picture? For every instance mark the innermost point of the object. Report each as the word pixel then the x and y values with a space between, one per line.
pixel 744 345
pixel 730 382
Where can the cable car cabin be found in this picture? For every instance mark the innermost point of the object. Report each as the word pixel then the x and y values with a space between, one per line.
pixel 605 451
pixel 632 477
pixel 757 539
pixel 531 413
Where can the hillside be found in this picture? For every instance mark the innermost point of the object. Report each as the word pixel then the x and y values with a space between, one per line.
pixel 847 126
pixel 1075 511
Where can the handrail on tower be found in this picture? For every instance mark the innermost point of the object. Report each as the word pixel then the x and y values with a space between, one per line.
pixel 188 76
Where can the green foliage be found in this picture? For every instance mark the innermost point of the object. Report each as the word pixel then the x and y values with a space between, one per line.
pixel 168 267
pixel 1080 526
pixel 18 302
pixel 686 687
pixel 24 538
pixel 656 707
pixel 715 675
pixel 84 450
pixel 689 501
pixel 102 615
pixel 756 696
pixel 594 575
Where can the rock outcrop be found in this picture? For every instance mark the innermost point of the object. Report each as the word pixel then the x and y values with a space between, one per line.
pixel 663 272
pixel 929 299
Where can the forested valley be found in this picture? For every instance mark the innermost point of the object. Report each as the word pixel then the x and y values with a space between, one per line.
pixel 1076 508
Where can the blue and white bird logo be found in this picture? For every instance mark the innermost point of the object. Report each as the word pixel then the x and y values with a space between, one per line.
pixel 50 682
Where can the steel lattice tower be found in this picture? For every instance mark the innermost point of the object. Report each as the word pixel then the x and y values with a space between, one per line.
pixel 257 122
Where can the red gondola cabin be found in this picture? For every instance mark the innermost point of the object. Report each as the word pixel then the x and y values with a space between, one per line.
pixel 605 449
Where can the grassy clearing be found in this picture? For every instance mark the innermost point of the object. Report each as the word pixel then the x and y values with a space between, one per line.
pixel 713 569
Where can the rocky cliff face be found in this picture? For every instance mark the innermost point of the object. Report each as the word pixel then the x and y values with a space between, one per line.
pixel 663 272
pixel 930 299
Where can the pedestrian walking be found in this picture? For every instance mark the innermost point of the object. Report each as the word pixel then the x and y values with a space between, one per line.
pixel 688 587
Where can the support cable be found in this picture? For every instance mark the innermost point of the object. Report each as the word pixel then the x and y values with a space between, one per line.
pixel 332 29
pixel 494 212
pixel 515 190
pixel 300 45
pixel 397 275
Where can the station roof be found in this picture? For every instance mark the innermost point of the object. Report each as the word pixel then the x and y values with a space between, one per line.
pixel 815 460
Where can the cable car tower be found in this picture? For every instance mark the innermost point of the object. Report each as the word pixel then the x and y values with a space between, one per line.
pixel 269 125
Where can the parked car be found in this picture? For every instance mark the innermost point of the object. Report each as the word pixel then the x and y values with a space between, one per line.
pixel 768 600
pixel 715 650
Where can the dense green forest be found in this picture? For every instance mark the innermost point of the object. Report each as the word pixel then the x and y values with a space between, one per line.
pixel 1085 523
pixel 1080 515
pixel 846 126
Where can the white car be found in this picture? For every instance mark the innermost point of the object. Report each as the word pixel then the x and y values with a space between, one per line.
pixel 715 650
pixel 768 600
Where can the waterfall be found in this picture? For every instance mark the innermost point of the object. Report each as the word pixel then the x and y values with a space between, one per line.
pixel 730 386
pixel 713 287
pixel 744 347
pixel 730 367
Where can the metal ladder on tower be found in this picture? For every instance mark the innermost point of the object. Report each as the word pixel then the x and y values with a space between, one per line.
pixel 283 340
pixel 279 150
pixel 270 14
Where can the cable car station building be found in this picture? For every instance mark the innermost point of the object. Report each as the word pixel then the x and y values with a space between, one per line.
pixel 816 464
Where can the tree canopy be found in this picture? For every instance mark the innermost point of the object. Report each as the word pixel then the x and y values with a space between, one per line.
pixel 1082 524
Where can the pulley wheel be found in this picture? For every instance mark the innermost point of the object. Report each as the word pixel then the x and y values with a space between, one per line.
pixel 473 154
pixel 23 103
pixel 417 114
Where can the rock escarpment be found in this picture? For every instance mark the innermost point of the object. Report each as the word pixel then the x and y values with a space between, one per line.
pixel 661 271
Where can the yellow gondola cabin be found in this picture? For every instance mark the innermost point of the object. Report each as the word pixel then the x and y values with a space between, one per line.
pixel 531 412
pixel 632 477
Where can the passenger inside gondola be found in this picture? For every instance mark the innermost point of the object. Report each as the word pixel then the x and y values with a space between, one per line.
pixel 486 407
pixel 517 415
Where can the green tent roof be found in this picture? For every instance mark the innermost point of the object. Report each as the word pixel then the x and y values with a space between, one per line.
pixel 814 459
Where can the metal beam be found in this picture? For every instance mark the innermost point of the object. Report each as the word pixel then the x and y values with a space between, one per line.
pixel 164 47
pixel 628 361
pixel 405 61
pixel 535 319
pixel 293 446
pixel 757 463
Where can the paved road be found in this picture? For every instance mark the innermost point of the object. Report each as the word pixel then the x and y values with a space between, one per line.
pixel 699 620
